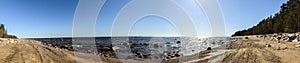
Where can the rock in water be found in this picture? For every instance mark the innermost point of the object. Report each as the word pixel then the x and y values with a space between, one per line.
pixel 178 42
pixel 209 48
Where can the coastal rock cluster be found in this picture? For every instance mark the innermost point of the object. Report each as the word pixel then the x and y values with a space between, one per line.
pixel 146 50
pixel 287 37
pixel 3 32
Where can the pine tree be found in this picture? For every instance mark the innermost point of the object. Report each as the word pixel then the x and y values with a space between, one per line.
pixel 285 21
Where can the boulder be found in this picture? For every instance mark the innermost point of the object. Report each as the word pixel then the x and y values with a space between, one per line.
pixel 177 55
pixel 297 46
pixel 296 40
pixel 209 48
pixel 291 38
pixel 115 48
pixel 178 42
pixel 246 38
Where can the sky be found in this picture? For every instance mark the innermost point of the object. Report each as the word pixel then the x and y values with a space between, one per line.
pixel 54 18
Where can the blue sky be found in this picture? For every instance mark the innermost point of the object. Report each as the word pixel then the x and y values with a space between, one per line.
pixel 54 18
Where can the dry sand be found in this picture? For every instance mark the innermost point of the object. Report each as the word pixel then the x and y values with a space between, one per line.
pixel 30 51
pixel 253 50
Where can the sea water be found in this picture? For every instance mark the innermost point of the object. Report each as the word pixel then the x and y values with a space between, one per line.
pixel 148 45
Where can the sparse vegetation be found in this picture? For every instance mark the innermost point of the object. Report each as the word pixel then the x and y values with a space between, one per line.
pixel 9 58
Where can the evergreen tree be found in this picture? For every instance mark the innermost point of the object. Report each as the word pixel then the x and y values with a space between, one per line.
pixel 285 21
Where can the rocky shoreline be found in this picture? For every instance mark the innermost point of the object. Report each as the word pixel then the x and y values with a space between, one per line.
pixel 258 49
pixel 253 49
pixel 249 49
pixel 282 37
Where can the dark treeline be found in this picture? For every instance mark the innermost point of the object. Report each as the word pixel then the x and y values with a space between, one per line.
pixel 3 32
pixel 285 21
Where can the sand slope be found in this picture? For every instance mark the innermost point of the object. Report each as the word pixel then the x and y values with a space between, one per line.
pixel 253 50
pixel 30 51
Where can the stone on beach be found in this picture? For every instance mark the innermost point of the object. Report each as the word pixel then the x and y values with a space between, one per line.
pixel 246 38
pixel 298 46
pixel 268 45
pixel 286 37
pixel 115 48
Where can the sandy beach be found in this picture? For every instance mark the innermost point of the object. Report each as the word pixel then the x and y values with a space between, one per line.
pixel 31 51
pixel 254 50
